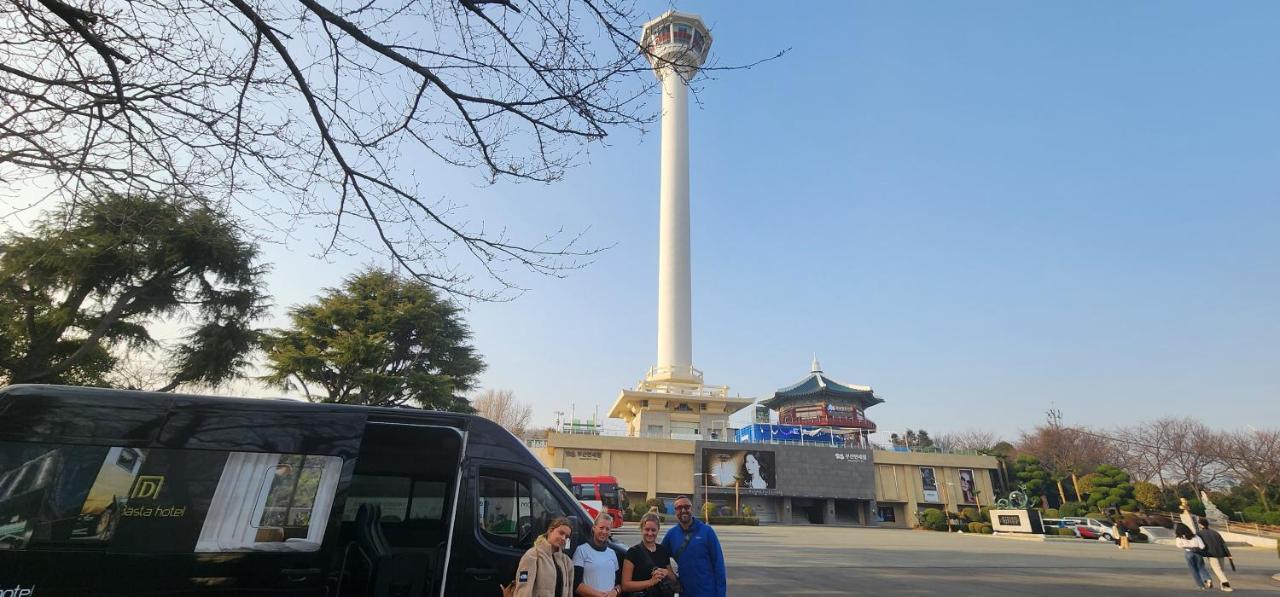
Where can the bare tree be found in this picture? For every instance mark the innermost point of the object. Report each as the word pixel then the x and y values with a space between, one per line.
pixel 1065 452
pixel 969 439
pixel 1253 459
pixel 319 112
pixel 1194 453
pixel 501 407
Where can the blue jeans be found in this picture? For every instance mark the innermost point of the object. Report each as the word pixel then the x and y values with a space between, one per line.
pixel 1198 570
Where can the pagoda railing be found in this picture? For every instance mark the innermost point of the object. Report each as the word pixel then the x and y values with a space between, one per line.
pixel 826 421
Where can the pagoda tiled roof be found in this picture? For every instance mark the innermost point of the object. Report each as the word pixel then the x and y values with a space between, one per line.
pixel 817 385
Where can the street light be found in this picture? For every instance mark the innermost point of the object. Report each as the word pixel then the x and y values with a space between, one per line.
pixel 704 489
pixel 944 504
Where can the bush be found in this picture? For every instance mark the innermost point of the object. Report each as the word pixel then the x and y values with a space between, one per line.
pixel 985 512
pixel 708 509
pixel 973 527
pixel 985 529
pixel 730 520
pixel 748 512
pixel 933 520
pixel 655 503
pixel 1160 520
pixel 1071 509
pixel 1052 513
pixel 970 515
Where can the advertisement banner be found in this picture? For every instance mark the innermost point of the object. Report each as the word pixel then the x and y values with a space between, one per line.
pixel 968 490
pixel 930 484
pixel 754 469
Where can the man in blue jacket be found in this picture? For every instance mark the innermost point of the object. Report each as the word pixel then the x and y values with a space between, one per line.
pixel 696 549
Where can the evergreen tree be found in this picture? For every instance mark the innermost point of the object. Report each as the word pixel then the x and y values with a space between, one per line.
pixel 90 277
pixel 379 340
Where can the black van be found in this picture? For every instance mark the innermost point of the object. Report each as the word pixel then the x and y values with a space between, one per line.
pixel 108 492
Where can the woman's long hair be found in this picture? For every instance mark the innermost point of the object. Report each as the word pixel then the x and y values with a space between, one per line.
pixel 1183 531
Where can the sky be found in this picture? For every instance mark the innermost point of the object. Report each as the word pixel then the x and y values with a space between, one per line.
pixel 983 210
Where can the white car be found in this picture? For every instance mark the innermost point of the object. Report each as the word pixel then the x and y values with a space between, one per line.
pixel 1092 528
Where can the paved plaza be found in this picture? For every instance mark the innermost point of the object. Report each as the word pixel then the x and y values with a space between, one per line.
pixel 809 560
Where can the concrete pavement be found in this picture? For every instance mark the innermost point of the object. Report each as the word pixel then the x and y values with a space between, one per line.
pixel 815 560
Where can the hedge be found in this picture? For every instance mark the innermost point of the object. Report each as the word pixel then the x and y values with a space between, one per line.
pixel 731 520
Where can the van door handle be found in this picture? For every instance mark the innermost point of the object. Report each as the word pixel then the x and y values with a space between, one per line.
pixel 298 574
pixel 481 573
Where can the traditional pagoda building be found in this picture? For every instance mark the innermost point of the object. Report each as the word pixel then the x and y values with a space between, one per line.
pixel 820 404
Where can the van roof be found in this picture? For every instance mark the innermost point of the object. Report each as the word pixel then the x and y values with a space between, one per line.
pixel 50 413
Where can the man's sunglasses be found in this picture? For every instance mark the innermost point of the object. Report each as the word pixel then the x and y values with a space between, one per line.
pixel 678 508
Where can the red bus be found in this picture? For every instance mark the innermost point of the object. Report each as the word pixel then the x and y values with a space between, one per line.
pixel 601 493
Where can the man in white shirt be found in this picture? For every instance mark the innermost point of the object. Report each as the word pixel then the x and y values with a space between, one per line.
pixel 597 567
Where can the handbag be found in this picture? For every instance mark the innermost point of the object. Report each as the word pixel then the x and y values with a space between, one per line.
pixel 670 585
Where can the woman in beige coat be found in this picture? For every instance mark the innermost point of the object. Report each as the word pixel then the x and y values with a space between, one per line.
pixel 545 570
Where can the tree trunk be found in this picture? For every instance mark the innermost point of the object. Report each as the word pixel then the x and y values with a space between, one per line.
pixel 1061 493
pixel 1075 486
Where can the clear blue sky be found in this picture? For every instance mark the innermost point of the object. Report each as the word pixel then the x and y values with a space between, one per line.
pixel 978 208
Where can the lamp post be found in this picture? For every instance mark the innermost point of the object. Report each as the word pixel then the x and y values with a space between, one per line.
pixel 704 489
pixel 950 492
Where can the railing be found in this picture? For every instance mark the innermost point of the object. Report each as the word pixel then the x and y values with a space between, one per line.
pixel 925 450
pixel 678 389
pixel 853 442
pixel 675 372
pixel 827 421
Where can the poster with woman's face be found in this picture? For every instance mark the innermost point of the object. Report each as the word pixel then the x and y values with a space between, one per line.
pixel 967 487
pixel 750 469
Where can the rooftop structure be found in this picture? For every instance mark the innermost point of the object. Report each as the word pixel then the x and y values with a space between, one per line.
pixel 818 400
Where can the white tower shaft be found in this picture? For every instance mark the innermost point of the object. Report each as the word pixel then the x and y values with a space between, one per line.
pixel 675 320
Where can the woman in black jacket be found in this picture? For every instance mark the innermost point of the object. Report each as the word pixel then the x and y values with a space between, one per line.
pixel 1215 549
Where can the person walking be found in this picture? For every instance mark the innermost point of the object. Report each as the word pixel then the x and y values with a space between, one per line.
pixel 1215 549
pixel 696 550
pixel 597 566
pixel 647 563
pixel 1122 535
pixel 545 570
pixel 1192 546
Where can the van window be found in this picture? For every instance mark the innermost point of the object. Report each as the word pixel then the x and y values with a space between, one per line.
pixel 162 501
pixel 291 491
pixel 388 492
pixel 514 509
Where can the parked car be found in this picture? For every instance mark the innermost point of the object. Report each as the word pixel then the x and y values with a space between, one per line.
pixel 1092 528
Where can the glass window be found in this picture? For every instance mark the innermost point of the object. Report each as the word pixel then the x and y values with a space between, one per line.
pixel 886 514
pixel 428 500
pixel 389 492
pixel 512 510
pixel 498 507
pixel 292 492
pixel 662 36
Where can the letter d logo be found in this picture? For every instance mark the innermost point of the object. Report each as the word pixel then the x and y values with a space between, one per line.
pixel 147 488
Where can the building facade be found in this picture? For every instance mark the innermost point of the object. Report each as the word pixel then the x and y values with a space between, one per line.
pixel 785 473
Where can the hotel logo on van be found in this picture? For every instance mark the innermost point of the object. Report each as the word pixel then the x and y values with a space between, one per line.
pixel 147 487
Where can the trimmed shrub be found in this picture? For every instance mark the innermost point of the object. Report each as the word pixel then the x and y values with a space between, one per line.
pixel 985 529
pixel 748 512
pixel 708 509
pixel 1052 513
pixel 734 520
pixel 1071 509
pixel 970 515
pixel 974 527
pixel 933 520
